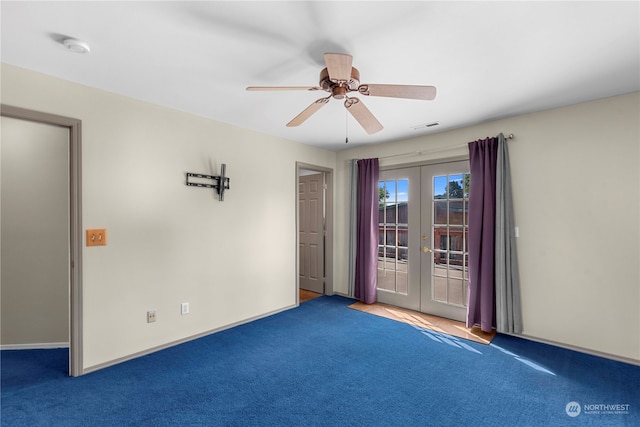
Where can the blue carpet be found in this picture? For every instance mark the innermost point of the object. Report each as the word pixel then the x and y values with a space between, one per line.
pixel 323 364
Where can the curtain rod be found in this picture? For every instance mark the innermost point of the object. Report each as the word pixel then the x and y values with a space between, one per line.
pixel 437 150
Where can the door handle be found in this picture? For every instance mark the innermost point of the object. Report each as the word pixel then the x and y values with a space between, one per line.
pixel 426 249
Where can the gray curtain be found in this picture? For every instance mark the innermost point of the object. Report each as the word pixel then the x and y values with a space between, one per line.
pixel 508 309
pixel 494 286
pixel 353 224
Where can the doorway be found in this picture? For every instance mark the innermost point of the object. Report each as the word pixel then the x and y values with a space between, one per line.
pixel 27 122
pixel 314 212
pixel 311 231
pixel 423 233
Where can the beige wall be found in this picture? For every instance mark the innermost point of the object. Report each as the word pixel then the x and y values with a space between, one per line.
pixel 169 243
pixel 576 183
pixel 35 234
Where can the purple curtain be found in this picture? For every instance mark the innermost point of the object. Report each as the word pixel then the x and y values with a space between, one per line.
pixel 481 308
pixel 366 275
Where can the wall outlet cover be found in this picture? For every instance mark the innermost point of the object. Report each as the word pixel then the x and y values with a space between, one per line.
pixel 96 237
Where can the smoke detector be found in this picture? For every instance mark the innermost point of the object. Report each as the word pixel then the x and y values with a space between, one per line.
pixel 77 46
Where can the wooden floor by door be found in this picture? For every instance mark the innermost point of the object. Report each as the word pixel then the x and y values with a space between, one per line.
pixel 311 232
pixel 423 231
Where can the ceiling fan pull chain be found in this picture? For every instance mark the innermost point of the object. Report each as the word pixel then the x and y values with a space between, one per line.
pixel 346 127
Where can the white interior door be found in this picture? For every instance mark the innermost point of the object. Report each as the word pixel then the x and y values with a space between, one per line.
pixel 422 245
pixel 311 232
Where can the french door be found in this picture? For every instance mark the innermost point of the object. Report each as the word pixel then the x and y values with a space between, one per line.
pixel 423 233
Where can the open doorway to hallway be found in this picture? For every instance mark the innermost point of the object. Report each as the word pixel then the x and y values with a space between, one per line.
pixel 314 204
pixel 41 277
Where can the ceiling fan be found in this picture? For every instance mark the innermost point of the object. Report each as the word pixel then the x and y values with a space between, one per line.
pixel 340 78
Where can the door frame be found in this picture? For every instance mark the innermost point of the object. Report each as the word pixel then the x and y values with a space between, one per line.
pixel 75 222
pixel 328 219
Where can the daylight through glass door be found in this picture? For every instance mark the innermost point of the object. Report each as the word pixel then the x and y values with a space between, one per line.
pixel 399 237
pixel 450 233
pixel 393 235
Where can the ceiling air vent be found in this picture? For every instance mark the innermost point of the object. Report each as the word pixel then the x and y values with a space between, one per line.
pixel 425 126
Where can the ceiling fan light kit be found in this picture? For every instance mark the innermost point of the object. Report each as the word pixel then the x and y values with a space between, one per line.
pixel 339 78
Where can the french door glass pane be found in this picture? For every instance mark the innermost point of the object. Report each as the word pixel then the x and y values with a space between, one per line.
pixel 390 187
pixel 455 292
pixel 402 282
pixel 402 235
pixel 390 234
pixel 440 263
pixel 439 187
pixel 440 212
pixel 441 238
pixel 403 257
pixel 456 186
pixel 440 289
pixel 386 280
pixel 456 212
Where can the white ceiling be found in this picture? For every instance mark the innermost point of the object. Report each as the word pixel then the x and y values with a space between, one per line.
pixel 488 60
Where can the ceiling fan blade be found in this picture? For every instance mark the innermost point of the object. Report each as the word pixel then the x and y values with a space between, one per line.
pixel 261 88
pixel 363 115
pixel 339 66
pixel 399 91
pixel 308 112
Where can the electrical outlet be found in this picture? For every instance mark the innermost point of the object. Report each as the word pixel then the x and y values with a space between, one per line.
pixel 96 237
pixel 184 308
pixel 151 316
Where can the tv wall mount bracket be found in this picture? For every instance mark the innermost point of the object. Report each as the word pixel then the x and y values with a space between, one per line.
pixel 220 182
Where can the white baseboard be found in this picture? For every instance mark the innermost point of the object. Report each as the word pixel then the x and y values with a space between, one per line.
pixel 581 349
pixel 34 346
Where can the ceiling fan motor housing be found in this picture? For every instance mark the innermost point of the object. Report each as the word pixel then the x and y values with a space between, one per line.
pixel 339 89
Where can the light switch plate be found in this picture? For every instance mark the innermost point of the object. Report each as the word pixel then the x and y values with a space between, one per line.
pixel 96 237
